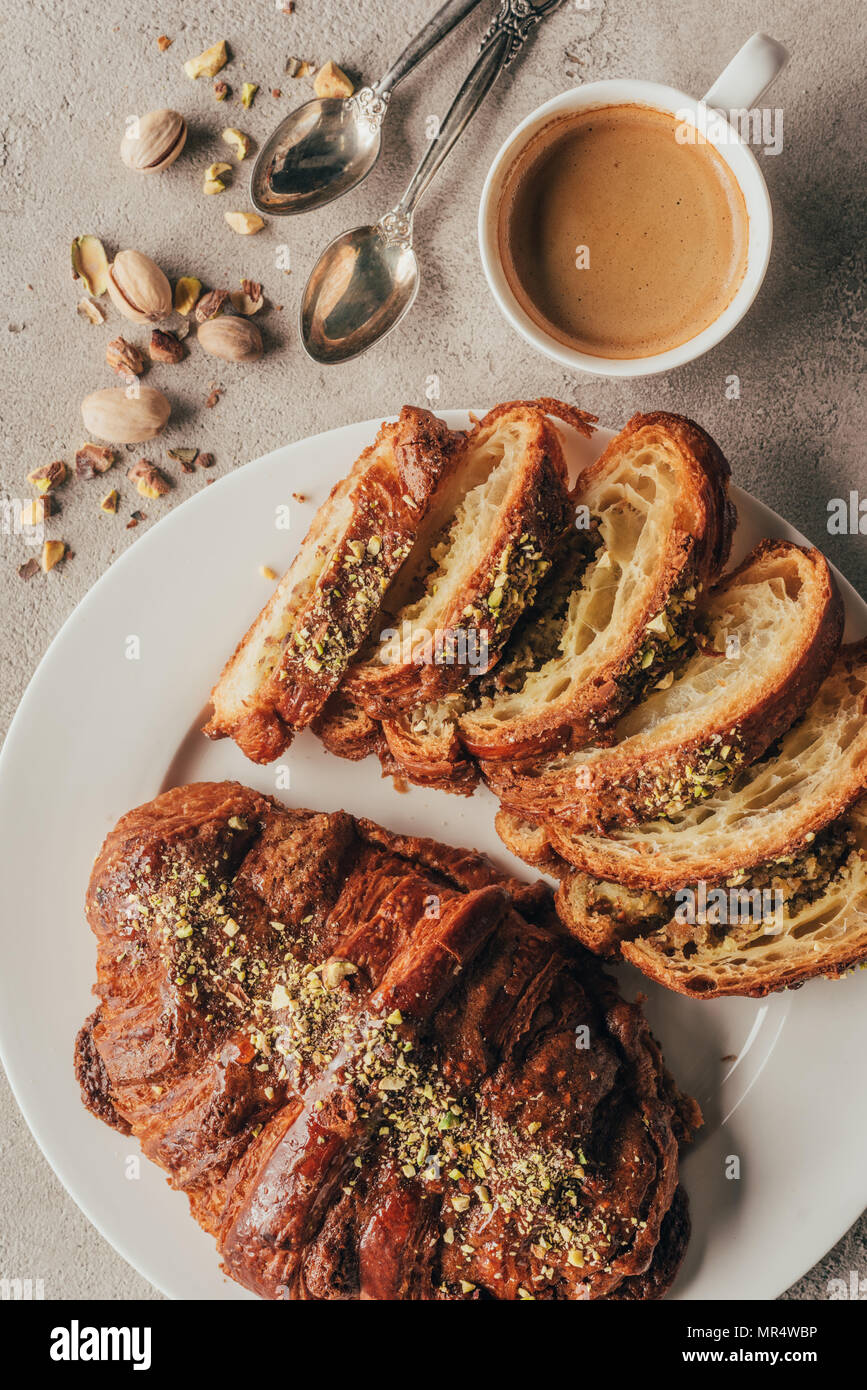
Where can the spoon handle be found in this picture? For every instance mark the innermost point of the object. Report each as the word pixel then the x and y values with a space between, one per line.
pixel 503 40
pixel 427 38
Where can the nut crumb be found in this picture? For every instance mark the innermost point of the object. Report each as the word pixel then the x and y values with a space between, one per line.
pixel 331 81
pixel 400 785
pixel 248 93
pixel 248 300
pixel 267 572
pixel 210 305
pixel 48 476
pixel 52 553
pixel 275 92
pixel 186 458
pixel 124 358
pixel 110 501
pixel 92 459
pixel 208 64
pixel 214 397
pixel 214 178
pixel 165 347
pixel 29 568
pixel 135 518
pixel 149 481
pixel 299 496
pixel 222 90
pixel 245 223
pixel 205 460
pixel 164 42
pixel 238 142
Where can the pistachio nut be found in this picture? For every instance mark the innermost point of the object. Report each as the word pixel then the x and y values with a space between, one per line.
pixel 149 481
pixel 248 299
pixel 138 288
pixel 233 339
pixel 90 264
pixel 49 476
pixel 93 459
pixel 245 223
pixel 248 93
pixel 331 81
pixel 238 142
pixel 187 291
pixel 52 553
pixel 125 418
pixel 208 64
pixel 214 182
pixel 154 141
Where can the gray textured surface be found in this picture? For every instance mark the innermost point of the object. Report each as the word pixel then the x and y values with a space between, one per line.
pixel 74 71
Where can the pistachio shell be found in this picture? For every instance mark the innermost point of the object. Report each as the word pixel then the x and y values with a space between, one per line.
pixel 120 418
pixel 154 141
pixel 90 264
pixel 138 288
pixel 233 339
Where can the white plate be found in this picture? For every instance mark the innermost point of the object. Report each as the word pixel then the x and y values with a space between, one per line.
pixel 98 733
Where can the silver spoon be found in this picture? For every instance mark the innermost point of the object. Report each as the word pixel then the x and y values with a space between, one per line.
pixel 367 279
pixel 329 145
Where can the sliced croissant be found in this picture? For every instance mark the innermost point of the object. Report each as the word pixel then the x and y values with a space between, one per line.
pixel 663 523
pixel 486 543
pixel 814 773
pixel 822 929
pixel 297 650
pixel 768 634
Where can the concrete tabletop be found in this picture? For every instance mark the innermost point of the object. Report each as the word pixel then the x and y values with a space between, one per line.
pixel 793 426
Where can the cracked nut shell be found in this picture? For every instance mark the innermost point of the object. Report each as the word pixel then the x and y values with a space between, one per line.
pixel 154 141
pixel 138 289
pixel 233 339
pixel 120 418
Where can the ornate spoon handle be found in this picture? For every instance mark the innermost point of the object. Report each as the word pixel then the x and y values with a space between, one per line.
pixel 427 38
pixel 501 43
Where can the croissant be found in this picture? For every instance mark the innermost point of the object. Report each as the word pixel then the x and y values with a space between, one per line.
pixel 376 1066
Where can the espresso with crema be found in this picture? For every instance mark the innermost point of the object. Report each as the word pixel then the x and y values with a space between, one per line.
pixel 618 239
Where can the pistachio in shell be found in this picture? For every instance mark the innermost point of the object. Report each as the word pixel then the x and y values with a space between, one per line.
pixel 90 264
pixel 154 141
pixel 138 288
pixel 125 417
pixel 233 339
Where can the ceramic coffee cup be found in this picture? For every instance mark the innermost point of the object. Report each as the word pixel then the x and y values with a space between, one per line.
pixel 738 89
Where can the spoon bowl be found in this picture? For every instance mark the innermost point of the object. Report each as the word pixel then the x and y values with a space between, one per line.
pixel 365 282
pixel 320 151
pixel 360 289
pixel 329 145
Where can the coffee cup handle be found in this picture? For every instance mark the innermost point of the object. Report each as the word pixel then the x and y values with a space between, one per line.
pixel 749 74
